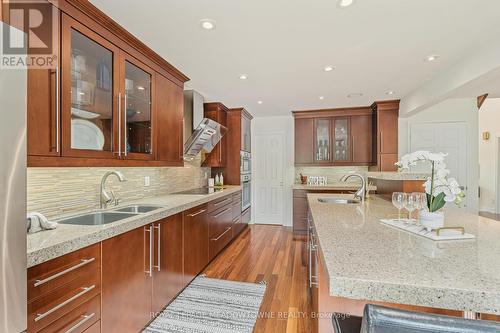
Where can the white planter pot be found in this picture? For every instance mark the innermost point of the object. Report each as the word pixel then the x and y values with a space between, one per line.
pixel 432 221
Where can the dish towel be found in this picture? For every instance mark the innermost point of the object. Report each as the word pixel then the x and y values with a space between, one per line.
pixel 37 222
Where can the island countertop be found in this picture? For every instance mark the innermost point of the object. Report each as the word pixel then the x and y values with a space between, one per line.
pixel 49 244
pixel 366 260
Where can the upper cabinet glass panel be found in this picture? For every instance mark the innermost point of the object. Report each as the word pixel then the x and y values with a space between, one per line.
pixel 91 94
pixel 322 144
pixel 341 132
pixel 138 110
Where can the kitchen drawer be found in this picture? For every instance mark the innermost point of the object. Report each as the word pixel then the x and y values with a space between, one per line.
pixel 219 203
pixel 237 197
pixel 238 226
pixel 236 209
pixel 49 275
pixel 54 305
pixel 96 328
pixel 79 320
pixel 220 241
pixel 220 220
pixel 246 216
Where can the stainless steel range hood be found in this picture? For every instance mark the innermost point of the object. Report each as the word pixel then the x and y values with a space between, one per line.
pixel 206 134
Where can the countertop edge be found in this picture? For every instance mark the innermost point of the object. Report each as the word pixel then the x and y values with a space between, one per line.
pixel 45 254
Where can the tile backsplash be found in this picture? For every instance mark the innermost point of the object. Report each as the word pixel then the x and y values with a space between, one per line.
pixel 333 174
pixel 62 191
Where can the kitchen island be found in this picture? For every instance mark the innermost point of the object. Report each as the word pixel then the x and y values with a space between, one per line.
pixel 360 260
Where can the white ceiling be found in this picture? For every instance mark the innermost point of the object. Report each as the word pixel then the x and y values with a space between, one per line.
pixel 283 45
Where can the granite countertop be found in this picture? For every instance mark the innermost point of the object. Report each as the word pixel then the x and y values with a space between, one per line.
pixel 50 244
pixel 340 186
pixel 394 175
pixel 367 260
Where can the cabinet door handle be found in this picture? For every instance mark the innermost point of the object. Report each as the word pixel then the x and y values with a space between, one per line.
pixel 158 260
pixel 58 135
pixel 120 124
pixel 85 319
pixel 149 230
pixel 224 211
pixel 381 142
pixel 61 273
pixel 85 290
pixel 196 214
pixel 125 152
pixel 219 237
pixel 220 202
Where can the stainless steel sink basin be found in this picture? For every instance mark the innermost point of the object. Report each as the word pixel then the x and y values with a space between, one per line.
pixel 137 209
pixel 339 201
pixel 98 218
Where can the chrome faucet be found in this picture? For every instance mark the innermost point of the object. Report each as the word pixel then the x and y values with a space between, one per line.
pixel 361 193
pixel 107 198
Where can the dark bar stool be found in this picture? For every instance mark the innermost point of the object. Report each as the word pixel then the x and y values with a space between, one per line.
pixel 379 319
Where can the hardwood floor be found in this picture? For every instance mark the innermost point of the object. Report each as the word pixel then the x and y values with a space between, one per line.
pixel 272 254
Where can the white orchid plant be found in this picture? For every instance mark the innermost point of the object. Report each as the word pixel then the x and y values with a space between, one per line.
pixel 439 188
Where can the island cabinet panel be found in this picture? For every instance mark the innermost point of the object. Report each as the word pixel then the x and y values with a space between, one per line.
pixel 304 141
pixel 126 281
pixel 168 276
pixel 196 255
pixel 170 116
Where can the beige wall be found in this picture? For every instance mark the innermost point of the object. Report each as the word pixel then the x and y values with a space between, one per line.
pixel 489 121
pixel 62 191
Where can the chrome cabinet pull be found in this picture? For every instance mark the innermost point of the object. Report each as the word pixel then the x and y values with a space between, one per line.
pixel 85 290
pixel 120 124
pixel 225 232
pixel 224 211
pixel 125 133
pixel 149 271
pixel 198 213
pixel 158 261
pixel 58 136
pixel 220 202
pixel 85 319
pixel 55 276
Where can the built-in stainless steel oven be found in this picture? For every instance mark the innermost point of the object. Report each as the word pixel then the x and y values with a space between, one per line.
pixel 245 162
pixel 246 191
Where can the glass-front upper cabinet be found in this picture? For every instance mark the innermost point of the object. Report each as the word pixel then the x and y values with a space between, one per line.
pixel 138 86
pixel 322 148
pixel 89 125
pixel 341 149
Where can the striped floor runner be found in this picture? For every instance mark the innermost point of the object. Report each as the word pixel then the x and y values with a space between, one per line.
pixel 212 306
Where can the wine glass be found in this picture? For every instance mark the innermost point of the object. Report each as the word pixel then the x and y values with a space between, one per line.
pixel 398 200
pixel 412 203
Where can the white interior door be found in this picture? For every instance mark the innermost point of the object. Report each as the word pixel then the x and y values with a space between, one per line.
pixel 268 178
pixel 449 138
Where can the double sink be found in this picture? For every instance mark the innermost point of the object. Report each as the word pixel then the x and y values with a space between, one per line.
pixel 105 217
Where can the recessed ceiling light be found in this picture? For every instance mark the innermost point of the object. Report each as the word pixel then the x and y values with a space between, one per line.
pixel 390 92
pixel 259 102
pixel 140 88
pixel 345 3
pixel 207 24
pixel 321 97
pixel 354 95
pixel 328 68
pixel 432 58
pixel 243 77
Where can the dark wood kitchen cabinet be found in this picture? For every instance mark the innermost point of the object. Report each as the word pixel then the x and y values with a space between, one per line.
pixel 304 141
pixel 126 281
pixel 361 139
pixel 218 156
pixel 246 131
pixel 196 235
pixel 168 276
pixel 111 101
pixel 385 135
pixel 238 139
